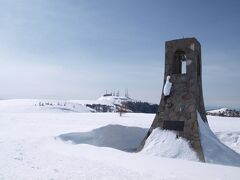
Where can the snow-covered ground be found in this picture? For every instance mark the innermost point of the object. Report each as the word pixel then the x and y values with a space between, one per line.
pixel 53 145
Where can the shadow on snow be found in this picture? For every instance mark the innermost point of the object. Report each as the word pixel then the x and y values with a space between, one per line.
pixel 114 136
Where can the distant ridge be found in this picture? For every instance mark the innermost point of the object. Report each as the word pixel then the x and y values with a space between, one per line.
pixel 227 112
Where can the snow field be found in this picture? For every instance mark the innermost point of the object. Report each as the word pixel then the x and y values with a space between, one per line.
pixel 30 149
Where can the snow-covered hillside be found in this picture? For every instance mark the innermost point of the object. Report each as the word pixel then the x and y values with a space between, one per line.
pixel 224 112
pixel 113 99
pixel 102 104
pixel 96 146
pixel 41 105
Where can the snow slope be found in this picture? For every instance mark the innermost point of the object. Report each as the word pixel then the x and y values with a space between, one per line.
pixel 29 149
pixel 41 105
pixel 51 105
pixel 214 151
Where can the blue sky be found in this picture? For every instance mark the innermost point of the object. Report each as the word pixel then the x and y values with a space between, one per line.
pixel 76 49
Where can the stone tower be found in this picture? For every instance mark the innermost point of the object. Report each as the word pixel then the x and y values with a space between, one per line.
pixel 178 111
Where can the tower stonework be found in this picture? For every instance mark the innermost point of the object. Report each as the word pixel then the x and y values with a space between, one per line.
pixel 179 110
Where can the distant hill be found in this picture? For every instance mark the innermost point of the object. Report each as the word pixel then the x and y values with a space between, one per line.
pixel 41 105
pixel 108 103
pixel 224 112
pixel 103 104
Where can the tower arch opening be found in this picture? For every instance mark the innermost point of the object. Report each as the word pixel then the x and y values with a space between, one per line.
pixel 179 62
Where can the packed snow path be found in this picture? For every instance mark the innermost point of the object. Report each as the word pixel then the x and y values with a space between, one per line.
pixel 29 150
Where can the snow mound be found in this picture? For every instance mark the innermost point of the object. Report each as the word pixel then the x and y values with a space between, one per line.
pixel 164 143
pixel 167 87
pixel 114 136
pixel 214 151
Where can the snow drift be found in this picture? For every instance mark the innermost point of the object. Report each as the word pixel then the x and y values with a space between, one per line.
pixel 114 136
pixel 165 144
pixel 167 87
pixel 161 143
pixel 214 151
